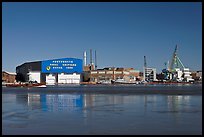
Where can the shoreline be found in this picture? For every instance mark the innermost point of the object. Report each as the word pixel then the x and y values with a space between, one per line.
pixel 106 89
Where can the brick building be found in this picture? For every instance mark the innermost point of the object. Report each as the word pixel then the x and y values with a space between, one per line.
pixel 8 77
pixel 112 73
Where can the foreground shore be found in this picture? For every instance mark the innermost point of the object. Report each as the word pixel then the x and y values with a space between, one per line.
pixel 119 89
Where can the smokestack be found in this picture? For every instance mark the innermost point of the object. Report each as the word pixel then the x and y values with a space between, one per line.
pixel 84 58
pixel 90 67
pixel 95 61
pixel 90 56
pixel 167 65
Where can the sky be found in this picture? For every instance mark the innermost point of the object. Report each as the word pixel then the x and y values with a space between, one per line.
pixel 122 33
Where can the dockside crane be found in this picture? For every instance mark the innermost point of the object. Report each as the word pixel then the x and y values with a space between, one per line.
pixel 176 66
pixel 175 62
pixel 176 71
pixel 145 62
pixel 145 67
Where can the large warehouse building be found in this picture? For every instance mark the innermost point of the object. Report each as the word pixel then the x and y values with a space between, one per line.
pixel 61 71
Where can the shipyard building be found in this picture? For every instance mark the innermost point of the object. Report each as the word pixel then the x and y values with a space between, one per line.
pixel 149 74
pixel 61 71
pixel 92 74
pixel 8 77
pixel 111 73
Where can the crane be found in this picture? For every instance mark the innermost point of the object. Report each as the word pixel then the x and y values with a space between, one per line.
pixel 175 62
pixel 145 63
pixel 145 66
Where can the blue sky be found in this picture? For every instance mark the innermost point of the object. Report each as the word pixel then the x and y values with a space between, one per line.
pixel 121 33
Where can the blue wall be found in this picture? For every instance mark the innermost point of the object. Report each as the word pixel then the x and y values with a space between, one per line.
pixel 63 65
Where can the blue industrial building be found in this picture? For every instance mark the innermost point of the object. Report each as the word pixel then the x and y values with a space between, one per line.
pixel 63 70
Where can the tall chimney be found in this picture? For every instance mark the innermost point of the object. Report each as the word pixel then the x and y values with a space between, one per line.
pixel 90 56
pixel 84 58
pixel 90 67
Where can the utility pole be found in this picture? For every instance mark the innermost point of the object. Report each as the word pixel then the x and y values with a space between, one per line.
pixel 95 61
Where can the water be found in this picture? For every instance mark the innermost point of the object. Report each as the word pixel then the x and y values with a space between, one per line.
pixel 103 110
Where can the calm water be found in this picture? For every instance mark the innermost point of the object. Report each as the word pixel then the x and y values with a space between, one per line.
pixel 75 110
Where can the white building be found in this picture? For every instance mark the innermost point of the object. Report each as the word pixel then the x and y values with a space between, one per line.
pixel 34 76
pixel 199 74
pixel 186 75
pixel 68 78
pixel 149 74
pixel 178 75
pixel 50 79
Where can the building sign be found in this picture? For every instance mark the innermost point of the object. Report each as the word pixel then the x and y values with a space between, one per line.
pixel 64 65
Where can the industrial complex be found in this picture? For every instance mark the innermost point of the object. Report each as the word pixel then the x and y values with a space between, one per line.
pixel 176 71
pixel 79 71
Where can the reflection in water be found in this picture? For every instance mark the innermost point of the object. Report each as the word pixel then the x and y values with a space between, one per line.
pixel 34 101
pixel 175 102
pixel 89 113
pixel 14 111
pixel 55 102
pixel 70 102
pixel 21 98
pixel 170 103
pixel 64 102
pixel 91 100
